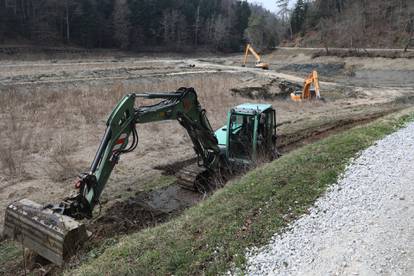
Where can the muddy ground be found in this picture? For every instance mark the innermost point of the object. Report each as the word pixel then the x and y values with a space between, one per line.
pixel 53 112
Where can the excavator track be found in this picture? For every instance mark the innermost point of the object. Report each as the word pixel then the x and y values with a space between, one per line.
pixel 194 178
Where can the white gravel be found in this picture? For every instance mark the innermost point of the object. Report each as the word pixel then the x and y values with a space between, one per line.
pixel 364 225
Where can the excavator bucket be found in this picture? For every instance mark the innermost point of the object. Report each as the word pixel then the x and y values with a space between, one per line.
pixel 52 236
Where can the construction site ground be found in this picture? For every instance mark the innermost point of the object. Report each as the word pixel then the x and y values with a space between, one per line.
pixel 53 114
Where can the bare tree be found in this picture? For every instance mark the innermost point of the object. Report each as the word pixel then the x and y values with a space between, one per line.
pixel 121 24
pixel 221 31
pixel 410 33
pixel 284 13
pixel 197 24
pixel 67 21
pixel 174 28
pixel 324 34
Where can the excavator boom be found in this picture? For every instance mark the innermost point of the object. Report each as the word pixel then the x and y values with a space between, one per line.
pixel 53 231
pixel 307 93
pixel 259 63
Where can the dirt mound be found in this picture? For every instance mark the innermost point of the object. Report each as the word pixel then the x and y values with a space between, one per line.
pixel 343 53
pixel 275 88
pixel 325 69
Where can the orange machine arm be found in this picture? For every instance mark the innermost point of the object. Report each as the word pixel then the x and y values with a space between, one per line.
pixel 312 79
pixel 250 49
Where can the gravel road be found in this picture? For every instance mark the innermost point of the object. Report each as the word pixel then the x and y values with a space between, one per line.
pixel 364 225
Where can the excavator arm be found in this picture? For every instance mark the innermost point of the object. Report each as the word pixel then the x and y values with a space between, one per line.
pixel 312 79
pixel 53 230
pixel 306 93
pixel 259 63
pixel 249 49
pixel 121 137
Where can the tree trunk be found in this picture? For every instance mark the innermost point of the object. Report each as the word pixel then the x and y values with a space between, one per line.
pixel 197 26
pixel 67 22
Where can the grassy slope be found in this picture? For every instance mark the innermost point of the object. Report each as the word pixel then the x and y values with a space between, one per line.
pixel 211 236
pixel 10 252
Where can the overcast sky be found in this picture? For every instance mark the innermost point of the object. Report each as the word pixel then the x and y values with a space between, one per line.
pixel 268 4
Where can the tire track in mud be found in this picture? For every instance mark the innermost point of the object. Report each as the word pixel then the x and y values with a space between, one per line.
pixel 292 141
pixel 156 75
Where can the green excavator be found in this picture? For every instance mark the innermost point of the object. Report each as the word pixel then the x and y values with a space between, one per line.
pixel 56 231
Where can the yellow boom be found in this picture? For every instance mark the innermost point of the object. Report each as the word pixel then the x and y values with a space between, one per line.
pixel 259 63
pixel 307 93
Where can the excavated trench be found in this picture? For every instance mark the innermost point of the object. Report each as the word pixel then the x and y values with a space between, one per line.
pixel 144 209
pixel 292 141
pixel 276 88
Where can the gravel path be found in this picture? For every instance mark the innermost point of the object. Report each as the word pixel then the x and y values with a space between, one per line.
pixel 364 225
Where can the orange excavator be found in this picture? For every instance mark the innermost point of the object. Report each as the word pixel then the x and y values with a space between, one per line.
pixel 259 63
pixel 310 89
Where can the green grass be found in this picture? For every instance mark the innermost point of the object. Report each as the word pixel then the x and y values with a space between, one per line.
pixel 213 236
pixel 10 256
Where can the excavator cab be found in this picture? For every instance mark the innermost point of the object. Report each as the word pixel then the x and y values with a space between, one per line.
pixel 250 134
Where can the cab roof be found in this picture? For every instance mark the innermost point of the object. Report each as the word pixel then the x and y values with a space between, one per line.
pixel 249 108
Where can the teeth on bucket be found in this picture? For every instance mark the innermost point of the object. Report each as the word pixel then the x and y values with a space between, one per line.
pixel 53 236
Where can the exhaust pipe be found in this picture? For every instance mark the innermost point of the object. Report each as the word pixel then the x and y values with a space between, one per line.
pixel 53 236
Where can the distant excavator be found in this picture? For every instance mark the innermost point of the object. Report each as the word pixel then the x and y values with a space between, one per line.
pixel 259 62
pixel 310 91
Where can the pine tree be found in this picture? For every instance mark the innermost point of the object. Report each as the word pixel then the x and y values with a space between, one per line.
pixel 298 16
pixel 121 24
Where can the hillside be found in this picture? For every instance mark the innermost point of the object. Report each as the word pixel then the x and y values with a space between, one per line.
pixel 353 23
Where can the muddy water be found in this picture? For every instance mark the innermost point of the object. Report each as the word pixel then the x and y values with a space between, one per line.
pixel 143 210
pixel 168 200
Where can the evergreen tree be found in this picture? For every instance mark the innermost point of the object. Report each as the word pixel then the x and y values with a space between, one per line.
pixel 132 24
pixel 298 16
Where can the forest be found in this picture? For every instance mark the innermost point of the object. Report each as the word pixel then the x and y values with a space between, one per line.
pixel 214 25
pixel 351 23
pixel 179 25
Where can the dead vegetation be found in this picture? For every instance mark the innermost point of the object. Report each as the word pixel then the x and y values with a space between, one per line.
pixel 13 150
pixel 62 168
pixel 51 136
pixel 344 53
